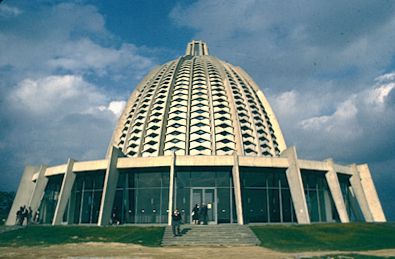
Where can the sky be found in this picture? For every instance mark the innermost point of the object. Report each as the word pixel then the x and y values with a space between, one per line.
pixel 327 68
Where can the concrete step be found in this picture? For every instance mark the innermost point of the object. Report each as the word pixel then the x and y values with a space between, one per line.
pixel 199 235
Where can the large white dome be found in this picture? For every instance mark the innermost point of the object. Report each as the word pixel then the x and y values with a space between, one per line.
pixel 198 105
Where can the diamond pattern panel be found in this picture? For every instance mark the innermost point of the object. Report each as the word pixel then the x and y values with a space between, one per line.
pixel 198 105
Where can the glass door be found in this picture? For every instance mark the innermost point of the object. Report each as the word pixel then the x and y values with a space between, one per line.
pixel 207 197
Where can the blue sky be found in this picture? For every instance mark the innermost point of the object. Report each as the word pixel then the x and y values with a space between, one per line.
pixel 327 68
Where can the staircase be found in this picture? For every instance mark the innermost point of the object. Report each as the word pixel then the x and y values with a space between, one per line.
pixel 217 235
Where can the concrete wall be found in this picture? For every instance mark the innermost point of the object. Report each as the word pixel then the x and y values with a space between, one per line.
pixel 296 186
pixel 65 192
pixel 30 193
pixel 110 185
pixel 24 193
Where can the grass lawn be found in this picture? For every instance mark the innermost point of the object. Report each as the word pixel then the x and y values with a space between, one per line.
pixel 51 235
pixel 341 237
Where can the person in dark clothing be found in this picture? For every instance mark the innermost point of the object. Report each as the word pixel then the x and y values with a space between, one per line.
pixel 24 214
pixel 203 217
pixel 19 216
pixel 29 215
pixel 195 214
pixel 176 222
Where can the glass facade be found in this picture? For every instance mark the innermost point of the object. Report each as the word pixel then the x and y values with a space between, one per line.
pixel 266 195
pixel 318 197
pixel 142 196
pixel 85 198
pixel 212 186
pixel 353 210
pixel 50 199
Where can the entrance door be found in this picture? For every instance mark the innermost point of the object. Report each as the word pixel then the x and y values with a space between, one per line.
pixel 207 196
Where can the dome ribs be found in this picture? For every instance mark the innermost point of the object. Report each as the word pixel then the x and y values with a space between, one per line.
pixel 176 122
pixel 175 138
pixel 151 139
pixel 221 113
pixel 198 105
pixel 199 110
pixel 270 120
pixel 261 125
pixel 211 109
pixel 134 138
pixel 248 129
pixel 120 134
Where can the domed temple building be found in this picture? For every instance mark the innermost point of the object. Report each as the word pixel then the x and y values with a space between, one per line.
pixel 198 130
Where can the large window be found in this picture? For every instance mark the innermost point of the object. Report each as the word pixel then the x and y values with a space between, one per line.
pixel 213 186
pixel 142 196
pixel 266 195
pixel 318 197
pixel 353 210
pixel 50 199
pixel 85 199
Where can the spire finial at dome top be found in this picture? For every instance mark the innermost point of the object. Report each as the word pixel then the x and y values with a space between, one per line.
pixel 197 48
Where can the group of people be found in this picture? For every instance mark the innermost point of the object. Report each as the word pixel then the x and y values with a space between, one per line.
pixel 199 216
pixel 24 214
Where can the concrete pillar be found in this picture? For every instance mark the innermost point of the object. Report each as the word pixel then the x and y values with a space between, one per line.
pixel 171 188
pixel 359 193
pixel 23 194
pixel 296 186
pixel 65 192
pixel 237 189
pixel 39 189
pixel 328 207
pixel 109 187
pixel 371 196
pixel 337 196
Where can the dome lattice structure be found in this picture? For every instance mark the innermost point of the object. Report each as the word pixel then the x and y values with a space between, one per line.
pixel 198 130
pixel 198 105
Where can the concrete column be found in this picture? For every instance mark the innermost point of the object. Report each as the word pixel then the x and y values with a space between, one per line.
pixel 23 194
pixel 237 189
pixel 337 196
pixel 359 193
pixel 39 189
pixel 65 192
pixel 171 188
pixel 109 187
pixel 328 207
pixel 296 186
pixel 371 196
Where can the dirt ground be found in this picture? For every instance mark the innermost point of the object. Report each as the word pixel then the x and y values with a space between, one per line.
pixel 117 250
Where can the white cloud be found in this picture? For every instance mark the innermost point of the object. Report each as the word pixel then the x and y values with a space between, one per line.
pixel 116 107
pixel 73 40
pixel 358 128
pixel 378 95
pixel 55 94
pixel 84 55
pixel 342 124
pixel 9 11
pixel 386 77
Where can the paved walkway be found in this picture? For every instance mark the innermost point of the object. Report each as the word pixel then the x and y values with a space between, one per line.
pixel 117 250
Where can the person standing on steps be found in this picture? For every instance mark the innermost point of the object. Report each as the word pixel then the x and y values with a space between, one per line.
pixel 195 214
pixel 203 217
pixel 176 223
